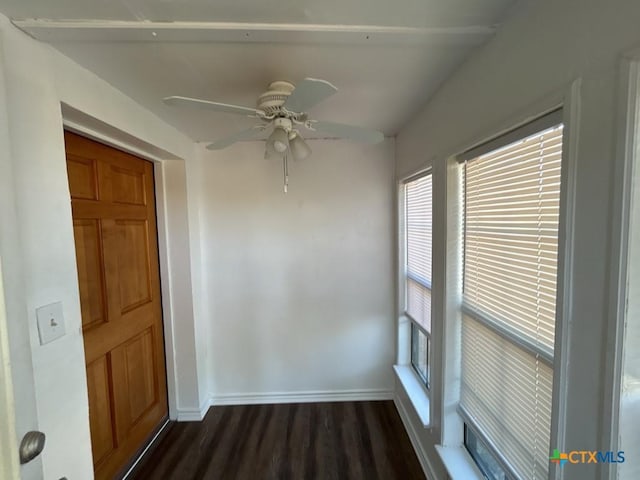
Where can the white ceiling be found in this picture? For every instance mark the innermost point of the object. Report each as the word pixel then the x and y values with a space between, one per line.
pixel 386 58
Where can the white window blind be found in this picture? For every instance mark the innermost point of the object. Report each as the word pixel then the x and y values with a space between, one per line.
pixel 506 392
pixel 418 214
pixel 512 201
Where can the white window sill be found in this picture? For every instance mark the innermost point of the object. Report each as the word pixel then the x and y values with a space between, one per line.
pixel 459 464
pixel 415 391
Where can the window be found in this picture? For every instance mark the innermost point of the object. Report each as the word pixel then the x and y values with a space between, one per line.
pixel 483 456
pixel 417 203
pixel 511 211
pixel 420 352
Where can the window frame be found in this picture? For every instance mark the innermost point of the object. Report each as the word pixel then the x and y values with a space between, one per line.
pixel 621 251
pixel 553 358
pixel 448 423
pixel 425 383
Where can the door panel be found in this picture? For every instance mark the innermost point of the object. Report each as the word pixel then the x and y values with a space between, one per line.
pixel 113 208
pixel 140 368
pixel 133 264
pixel 102 435
pixel 90 273
pixel 128 186
pixel 82 177
pixel 134 367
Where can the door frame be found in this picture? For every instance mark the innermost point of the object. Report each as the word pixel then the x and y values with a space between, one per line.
pixel 9 467
pixel 87 126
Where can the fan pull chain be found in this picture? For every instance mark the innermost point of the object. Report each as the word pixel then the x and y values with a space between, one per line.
pixel 285 167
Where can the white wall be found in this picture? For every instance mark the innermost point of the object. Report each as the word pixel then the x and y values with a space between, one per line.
pixel 11 253
pixel 299 286
pixel 37 237
pixel 528 66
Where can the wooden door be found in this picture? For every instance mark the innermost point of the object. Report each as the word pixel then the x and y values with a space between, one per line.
pixel 114 223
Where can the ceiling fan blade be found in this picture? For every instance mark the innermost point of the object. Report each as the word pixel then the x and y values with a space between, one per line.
pixel 341 130
pixel 308 93
pixel 236 137
pixel 216 106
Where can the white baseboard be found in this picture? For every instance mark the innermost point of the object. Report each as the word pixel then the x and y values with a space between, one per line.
pixel 425 463
pixel 301 397
pixel 193 414
pixel 196 415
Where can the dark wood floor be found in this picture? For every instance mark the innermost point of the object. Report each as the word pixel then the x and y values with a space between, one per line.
pixel 347 440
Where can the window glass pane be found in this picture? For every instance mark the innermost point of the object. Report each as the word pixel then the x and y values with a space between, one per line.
pixel 483 456
pixel 420 353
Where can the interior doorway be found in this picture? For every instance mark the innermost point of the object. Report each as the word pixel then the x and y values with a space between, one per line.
pixel 115 232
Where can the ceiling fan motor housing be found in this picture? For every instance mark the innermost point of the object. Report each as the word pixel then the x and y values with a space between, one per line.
pixel 272 100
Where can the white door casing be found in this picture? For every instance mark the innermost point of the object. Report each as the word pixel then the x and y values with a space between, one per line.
pixel 9 467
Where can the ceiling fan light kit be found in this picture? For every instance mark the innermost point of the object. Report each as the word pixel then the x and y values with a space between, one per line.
pixel 284 107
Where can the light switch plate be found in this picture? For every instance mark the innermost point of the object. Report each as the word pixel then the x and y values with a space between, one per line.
pixel 50 322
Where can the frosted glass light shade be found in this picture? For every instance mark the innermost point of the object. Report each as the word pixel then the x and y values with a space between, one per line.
pixel 279 140
pixel 299 148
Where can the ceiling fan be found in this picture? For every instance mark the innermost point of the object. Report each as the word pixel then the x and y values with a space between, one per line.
pixel 283 108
